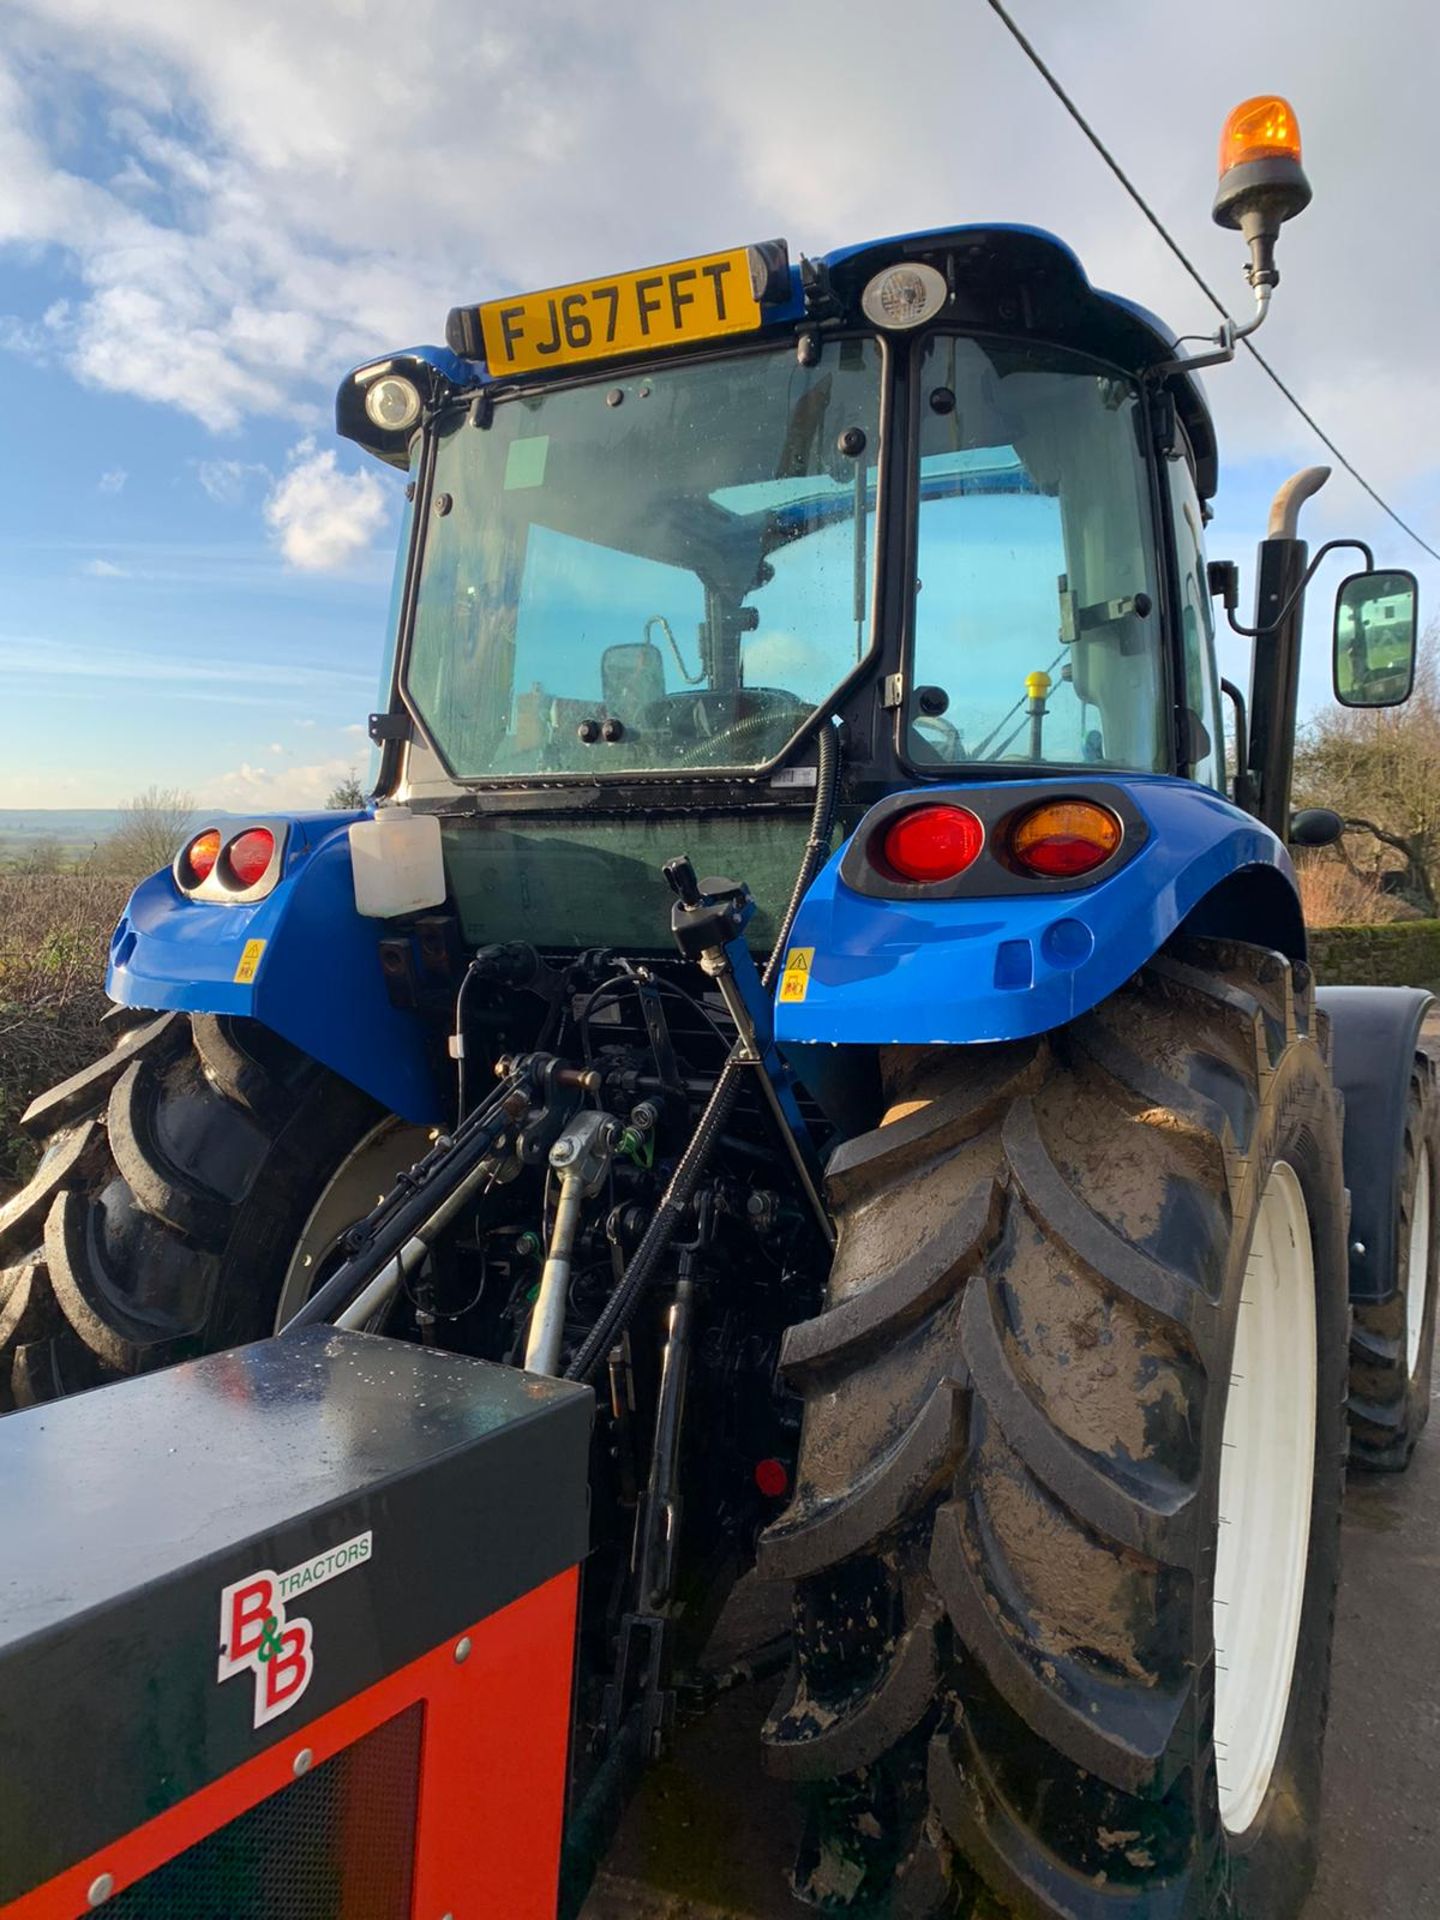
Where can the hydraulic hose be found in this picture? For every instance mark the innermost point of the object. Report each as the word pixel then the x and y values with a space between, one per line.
pixel 621 1305
pixel 421 1205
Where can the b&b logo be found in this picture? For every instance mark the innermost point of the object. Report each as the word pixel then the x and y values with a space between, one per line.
pixel 258 1635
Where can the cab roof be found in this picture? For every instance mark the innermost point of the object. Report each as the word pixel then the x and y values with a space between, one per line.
pixel 1006 279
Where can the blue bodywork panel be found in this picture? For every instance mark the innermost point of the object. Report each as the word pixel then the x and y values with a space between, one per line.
pixel 884 971
pixel 317 982
pixel 1003 967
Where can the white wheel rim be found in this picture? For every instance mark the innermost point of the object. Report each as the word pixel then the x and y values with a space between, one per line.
pixel 362 1179
pixel 1417 1272
pixel 1266 1480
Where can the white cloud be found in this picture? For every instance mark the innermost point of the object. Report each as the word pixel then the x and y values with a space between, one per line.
pixel 113 480
pixel 304 723
pixel 275 747
pixel 28 338
pixel 103 570
pixel 229 481
pixel 321 516
pixel 249 787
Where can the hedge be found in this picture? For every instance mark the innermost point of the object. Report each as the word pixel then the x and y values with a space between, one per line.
pixel 1405 953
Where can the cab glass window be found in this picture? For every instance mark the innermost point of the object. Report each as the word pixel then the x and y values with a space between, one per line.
pixel 667 569
pixel 1037 635
pixel 1201 695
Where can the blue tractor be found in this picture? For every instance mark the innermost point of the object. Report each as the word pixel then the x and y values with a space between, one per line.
pixel 808 970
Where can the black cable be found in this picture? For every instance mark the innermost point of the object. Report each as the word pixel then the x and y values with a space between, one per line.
pixel 672 987
pixel 470 973
pixel 1209 292
pixel 677 992
pixel 621 1305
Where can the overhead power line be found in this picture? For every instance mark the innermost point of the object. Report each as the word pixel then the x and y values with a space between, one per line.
pixel 1194 272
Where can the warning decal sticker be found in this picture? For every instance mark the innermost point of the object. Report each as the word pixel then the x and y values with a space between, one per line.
pixel 795 981
pixel 258 1635
pixel 249 962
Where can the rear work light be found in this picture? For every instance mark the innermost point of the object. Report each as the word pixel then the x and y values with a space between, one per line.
pixel 1063 839
pixel 249 854
pixel 933 843
pixel 198 859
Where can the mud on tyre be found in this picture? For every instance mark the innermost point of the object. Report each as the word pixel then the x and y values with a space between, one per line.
pixel 1007 1502
pixel 1392 1341
pixel 179 1175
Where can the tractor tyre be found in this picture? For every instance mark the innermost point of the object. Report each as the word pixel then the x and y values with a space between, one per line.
pixel 1392 1341
pixel 1065 1524
pixel 192 1176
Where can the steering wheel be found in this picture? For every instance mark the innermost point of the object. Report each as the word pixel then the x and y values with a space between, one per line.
pixel 714 749
pixel 684 716
pixel 940 734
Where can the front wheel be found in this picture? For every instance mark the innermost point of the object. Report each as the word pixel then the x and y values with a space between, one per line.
pixel 1065 1532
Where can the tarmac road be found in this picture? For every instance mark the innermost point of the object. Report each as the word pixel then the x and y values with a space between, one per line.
pixel 710 1838
pixel 1381 1857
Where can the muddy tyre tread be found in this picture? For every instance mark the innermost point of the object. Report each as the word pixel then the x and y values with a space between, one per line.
pixel 116 1258
pixel 1390 1404
pixel 1063 1538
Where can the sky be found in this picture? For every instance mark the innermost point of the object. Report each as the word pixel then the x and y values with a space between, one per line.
pixel 211 209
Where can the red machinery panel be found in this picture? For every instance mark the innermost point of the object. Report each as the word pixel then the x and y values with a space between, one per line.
pixel 289 1763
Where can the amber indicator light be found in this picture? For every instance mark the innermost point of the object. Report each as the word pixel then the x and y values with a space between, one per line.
pixel 202 853
pixel 1064 838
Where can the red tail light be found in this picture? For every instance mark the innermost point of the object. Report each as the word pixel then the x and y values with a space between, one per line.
pixel 249 854
pixel 930 844
pixel 201 854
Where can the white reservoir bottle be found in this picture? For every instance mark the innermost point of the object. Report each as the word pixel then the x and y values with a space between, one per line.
pixel 397 863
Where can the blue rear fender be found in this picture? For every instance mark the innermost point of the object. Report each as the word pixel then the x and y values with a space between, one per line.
pixel 301 961
pixel 1008 965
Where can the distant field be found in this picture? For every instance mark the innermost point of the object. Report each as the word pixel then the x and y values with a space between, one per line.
pixel 72 831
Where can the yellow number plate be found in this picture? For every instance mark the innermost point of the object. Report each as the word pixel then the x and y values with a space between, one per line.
pixel 628 313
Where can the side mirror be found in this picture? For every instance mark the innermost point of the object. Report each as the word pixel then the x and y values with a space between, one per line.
pixel 632 678
pixel 1315 827
pixel 1375 621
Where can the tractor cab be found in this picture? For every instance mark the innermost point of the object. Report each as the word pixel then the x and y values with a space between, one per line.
pixel 663 526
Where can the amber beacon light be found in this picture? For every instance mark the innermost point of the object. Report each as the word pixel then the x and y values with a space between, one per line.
pixel 1257 129
pixel 1262 183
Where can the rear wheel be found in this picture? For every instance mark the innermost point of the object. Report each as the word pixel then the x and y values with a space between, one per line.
pixel 194 1179
pixel 1392 1341
pixel 1065 1530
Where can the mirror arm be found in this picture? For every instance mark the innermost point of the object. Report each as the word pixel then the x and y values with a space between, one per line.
pixel 1243 789
pixel 1330 546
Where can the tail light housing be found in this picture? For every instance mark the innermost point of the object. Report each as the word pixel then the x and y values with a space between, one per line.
pixel 234 863
pixel 993 841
